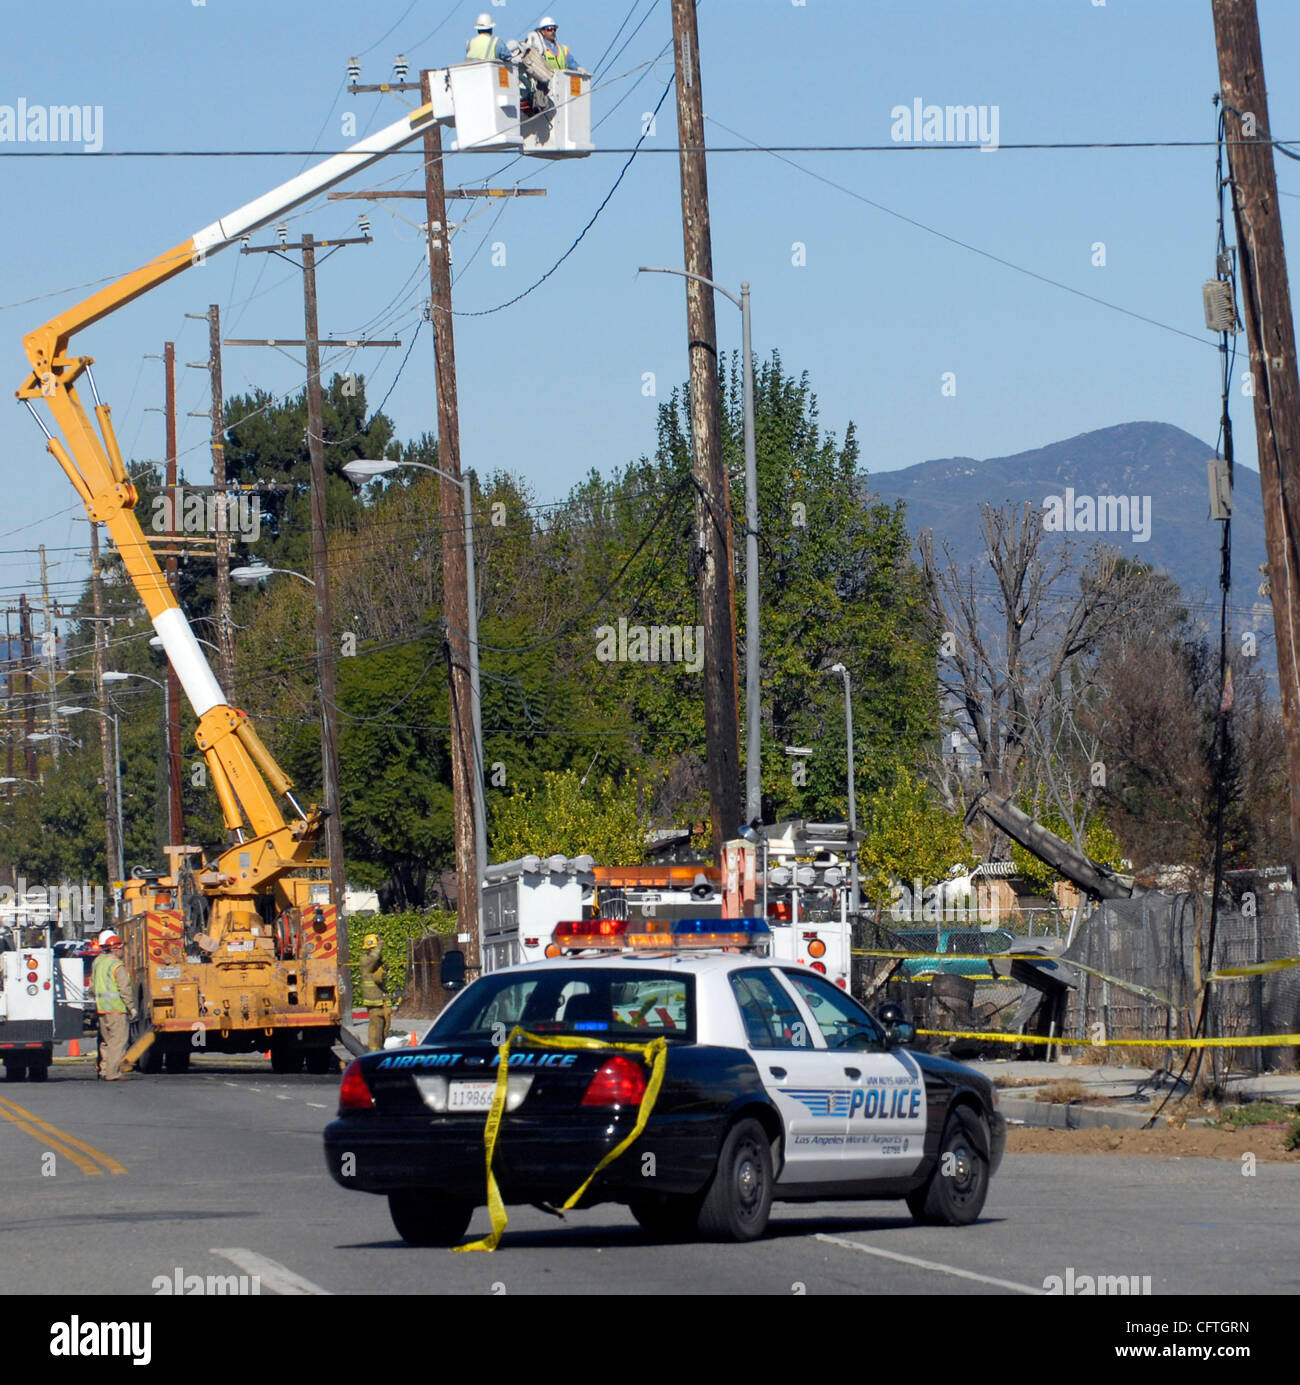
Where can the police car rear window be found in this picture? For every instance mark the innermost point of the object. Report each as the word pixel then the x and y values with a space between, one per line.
pixel 593 1001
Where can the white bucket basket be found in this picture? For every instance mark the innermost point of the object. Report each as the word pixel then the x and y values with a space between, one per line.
pixel 563 131
pixel 485 100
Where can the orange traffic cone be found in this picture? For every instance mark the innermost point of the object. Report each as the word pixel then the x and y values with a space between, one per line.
pixel 414 1040
pixel 74 1048
pixel 267 1055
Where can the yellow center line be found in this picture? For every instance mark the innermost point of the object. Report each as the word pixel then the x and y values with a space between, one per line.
pixel 40 1129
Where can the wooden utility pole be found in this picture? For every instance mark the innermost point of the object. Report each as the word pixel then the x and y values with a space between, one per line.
pixel 50 656
pixel 329 740
pixel 175 804
pixel 108 750
pixel 9 700
pixel 1270 334
pixel 221 514
pixel 29 706
pixel 326 680
pixel 713 498
pixel 466 784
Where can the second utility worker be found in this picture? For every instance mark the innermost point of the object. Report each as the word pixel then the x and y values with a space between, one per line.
pixel 485 46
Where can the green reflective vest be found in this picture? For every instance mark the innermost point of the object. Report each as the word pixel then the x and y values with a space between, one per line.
pixel 559 60
pixel 482 47
pixel 109 979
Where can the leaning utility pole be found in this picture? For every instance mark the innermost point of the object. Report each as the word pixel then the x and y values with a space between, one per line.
pixel 107 744
pixel 1270 334
pixel 175 803
pixel 466 775
pixel 713 500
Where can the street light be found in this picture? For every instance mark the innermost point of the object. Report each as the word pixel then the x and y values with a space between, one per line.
pixel 259 572
pixel 855 901
pixel 363 470
pixel 12 779
pixel 117 779
pixel 122 678
pixel 753 695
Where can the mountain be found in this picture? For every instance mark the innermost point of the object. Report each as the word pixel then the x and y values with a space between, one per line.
pixel 1139 487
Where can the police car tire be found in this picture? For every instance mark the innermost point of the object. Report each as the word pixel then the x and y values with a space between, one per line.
pixel 739 1198
pixel 955 1200
pixel 429 1219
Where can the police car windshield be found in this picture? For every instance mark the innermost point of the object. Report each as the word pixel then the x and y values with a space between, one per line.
pixel 596 1002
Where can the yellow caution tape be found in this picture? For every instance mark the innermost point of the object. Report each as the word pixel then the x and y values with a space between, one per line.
pixel 655 1053
pixel 1254 969
pixel 1233 1041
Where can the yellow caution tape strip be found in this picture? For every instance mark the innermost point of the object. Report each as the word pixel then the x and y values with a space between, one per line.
pixel 654 1053
pixel 1254 969
pixel 1013 957
pixel 1233 1041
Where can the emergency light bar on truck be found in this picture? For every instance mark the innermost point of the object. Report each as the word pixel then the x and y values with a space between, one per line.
pixel 647 935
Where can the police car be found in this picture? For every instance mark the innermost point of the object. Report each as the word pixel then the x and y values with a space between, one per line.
pixel 776 1086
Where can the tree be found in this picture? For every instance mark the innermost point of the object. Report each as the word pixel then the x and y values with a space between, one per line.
pixel 908 837
pixel 603 819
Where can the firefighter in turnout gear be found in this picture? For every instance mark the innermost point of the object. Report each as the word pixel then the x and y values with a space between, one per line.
pixel 373 995
pixel 112 987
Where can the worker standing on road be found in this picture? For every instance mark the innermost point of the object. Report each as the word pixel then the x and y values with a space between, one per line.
pixel 485 46
pixel 112 986
pixel 373 995
pixel 543 40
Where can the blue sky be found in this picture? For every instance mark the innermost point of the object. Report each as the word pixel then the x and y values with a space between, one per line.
pixel 553 386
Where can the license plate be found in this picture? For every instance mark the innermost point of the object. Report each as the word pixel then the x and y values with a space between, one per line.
pixel 470 1096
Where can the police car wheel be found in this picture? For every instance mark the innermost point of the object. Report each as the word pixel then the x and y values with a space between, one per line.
pixel 428 1219
pixel 667 1218
pixel 739 1198
pixel 955 1193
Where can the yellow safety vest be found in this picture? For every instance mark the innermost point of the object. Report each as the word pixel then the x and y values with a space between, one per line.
pixel 559 60
pixel 482 47
pixel 108 989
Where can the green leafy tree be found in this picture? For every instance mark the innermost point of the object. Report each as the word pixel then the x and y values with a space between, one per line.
pixel 602 818
pixel 909 836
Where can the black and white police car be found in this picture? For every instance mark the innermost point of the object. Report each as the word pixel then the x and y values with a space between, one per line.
pixel 777 1086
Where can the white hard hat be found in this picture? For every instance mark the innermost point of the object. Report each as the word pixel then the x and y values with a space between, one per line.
pixel 484 21
pixel 104 935
pixel 546 22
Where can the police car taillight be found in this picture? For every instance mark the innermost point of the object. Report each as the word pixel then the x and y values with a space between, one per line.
pixel 354 1092
pixel 620 1082
pixel 584 934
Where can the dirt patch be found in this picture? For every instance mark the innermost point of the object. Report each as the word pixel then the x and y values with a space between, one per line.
pixel 1263 1141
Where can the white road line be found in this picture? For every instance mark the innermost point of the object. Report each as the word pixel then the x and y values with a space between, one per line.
pixel 929 1265
pixel 278 1278
pixel 318 1105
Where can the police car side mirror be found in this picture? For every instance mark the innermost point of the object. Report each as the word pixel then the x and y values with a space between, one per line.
pixel 899 1034
pixel 451 970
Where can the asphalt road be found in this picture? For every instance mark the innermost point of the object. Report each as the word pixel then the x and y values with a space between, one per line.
pixel 220 1172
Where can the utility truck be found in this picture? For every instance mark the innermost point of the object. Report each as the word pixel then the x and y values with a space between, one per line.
pixel 240 951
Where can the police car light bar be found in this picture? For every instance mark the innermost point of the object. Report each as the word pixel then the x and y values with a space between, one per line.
pixel 617 935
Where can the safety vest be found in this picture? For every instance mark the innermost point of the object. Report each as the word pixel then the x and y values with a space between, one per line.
pixel 482 47
pixel 107 986
pixel 559 60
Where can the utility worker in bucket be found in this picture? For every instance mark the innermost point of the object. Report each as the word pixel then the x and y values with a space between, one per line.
pixel 373 995
pixel 112 987
pixel 543 40
pixel 485 46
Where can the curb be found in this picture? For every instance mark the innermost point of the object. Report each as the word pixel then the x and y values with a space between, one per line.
pixel 1059 1115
